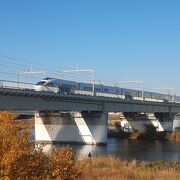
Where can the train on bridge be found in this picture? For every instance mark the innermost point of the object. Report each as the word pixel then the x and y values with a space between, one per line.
pixel 73 87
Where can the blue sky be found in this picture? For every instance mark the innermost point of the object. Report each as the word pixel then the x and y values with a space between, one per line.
pixel 138 39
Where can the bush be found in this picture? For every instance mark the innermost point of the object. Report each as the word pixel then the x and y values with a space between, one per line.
pixel 118 132
pixel 21 160
pixel 150 129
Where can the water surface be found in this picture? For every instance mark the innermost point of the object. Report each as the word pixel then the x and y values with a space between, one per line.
pixel 132 149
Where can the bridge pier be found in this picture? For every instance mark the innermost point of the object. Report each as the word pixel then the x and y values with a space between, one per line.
pixel 176 124
pixel 165 121
pixel 71 127
pixel 138 121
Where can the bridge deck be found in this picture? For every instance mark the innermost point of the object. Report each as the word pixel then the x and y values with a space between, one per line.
pixel 25 99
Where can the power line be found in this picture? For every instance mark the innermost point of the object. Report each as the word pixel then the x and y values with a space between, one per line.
pixel 12 65
pixel 36 65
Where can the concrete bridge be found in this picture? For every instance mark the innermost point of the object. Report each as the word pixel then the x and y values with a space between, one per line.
pixel 80 118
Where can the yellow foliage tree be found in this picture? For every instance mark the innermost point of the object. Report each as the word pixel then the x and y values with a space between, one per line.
pixel 14 141
pixel 20 159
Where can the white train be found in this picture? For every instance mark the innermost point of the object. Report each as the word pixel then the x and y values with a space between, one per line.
pixel 72 87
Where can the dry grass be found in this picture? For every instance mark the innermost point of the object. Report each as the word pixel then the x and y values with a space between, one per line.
pixel 102 168
pixel 174 136
pixel 114 117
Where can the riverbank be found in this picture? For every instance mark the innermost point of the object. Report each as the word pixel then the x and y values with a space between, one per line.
pixel 174 136
pixel 149 133
pixel 141 135
pixel 114 168
pixel 161 136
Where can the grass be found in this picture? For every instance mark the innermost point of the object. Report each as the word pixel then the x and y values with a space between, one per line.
pixel 114 168
pixel 174 136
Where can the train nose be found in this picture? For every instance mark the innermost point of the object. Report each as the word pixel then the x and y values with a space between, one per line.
pixel 37 88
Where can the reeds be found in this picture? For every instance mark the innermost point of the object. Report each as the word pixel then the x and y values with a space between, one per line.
pixel 113 168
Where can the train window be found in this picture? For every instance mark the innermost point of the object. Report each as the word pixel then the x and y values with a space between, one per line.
pixel 41 83
pixel 88 88
pixel 68 86
pixel 123 91
pixel 52 84
pixel 106 90
pixel 97 89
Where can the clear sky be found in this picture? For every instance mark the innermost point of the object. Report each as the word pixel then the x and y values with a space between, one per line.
pixel 118 38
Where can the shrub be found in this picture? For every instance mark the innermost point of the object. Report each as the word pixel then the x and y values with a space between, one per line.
pixel 21 160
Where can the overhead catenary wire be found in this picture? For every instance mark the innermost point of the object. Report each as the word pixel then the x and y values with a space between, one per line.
pixel 38 65
pixel 12 65
pixel 54 73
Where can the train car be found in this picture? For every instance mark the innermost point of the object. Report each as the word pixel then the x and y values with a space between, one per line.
pixel 89 87
pixel 156 96
pixel 82 92
pixel 109 89
pixel 167 97
pixel 98 88
pixel 45 85
pixel 177 99
pixel 67 87
pixel 56 85
pixel 131 94
pixel 147 95
pixel 85 86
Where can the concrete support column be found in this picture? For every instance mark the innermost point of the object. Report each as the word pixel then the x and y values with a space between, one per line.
pixel 164 121
pixel 176 123
pixel 138 121
pixel 71 127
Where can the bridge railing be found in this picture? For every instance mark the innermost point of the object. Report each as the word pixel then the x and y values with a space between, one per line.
pixel 33 87
pixel 16 85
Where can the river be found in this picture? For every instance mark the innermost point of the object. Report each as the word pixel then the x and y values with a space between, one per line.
pixel 131 149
